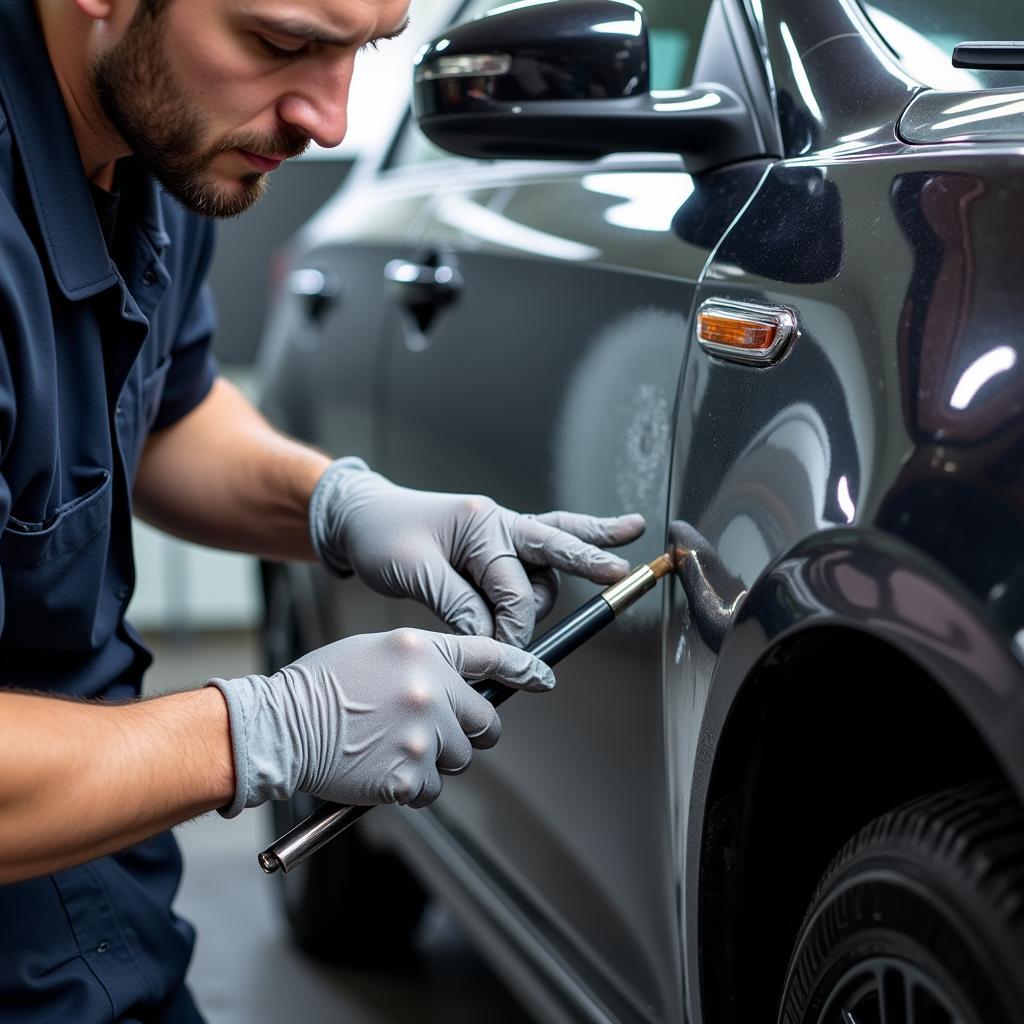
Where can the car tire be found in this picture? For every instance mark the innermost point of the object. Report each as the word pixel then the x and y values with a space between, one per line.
pixel 919 919
pixel 350 903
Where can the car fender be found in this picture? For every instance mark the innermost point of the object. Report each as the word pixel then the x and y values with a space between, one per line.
pixel 873 582
pixel 859 581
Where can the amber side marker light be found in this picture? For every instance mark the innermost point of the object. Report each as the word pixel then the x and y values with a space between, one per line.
pixel 745 332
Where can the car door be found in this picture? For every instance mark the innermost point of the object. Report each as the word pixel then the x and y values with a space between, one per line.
pixel 543 371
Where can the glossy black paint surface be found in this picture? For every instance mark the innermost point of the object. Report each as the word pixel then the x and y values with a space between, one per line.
pixel 572 50
pixel 851 613
pixel 899 261
pixel 708 125
pixel 570 81
pixel 981 115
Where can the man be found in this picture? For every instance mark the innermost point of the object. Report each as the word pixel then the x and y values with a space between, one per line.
pixel 109 400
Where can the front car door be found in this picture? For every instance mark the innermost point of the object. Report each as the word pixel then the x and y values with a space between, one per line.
pixel 546 377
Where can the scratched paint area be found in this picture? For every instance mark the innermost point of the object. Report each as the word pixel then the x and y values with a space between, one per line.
pixel 613 439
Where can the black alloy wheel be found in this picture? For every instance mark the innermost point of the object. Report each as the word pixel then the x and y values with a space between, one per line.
pixel 350 903
pixel 919 919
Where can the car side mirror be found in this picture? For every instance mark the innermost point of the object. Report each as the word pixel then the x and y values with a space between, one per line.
pixel 569 80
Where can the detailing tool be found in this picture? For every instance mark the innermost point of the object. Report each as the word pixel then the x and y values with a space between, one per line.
pixel 330 820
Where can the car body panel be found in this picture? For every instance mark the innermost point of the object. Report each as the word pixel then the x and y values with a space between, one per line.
pixel 978 115
pixel 870 480
pixel 861 581
pixel 580 404
pixel 897 410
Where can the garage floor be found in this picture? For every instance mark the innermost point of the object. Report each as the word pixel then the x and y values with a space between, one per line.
pixel 244 970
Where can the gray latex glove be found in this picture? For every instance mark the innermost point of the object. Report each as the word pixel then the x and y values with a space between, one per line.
pixel 482 568
pixel 370 719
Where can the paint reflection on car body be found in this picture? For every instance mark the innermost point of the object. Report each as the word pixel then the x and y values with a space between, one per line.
pixel 861 498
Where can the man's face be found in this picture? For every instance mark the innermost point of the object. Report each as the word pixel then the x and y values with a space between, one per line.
pixel 213 94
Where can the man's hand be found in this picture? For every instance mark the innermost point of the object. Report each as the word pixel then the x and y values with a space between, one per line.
pixel 483 569
pixel 370 719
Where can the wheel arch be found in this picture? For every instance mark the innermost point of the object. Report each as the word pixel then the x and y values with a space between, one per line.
pixel 857 675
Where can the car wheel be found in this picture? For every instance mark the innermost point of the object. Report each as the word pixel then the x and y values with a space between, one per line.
pixel 919 919
pixel 350 902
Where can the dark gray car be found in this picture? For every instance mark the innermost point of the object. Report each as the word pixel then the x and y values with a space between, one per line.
pixel 784 322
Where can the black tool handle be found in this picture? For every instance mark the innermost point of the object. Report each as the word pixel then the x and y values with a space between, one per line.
pixel 330 820
pixel 558 642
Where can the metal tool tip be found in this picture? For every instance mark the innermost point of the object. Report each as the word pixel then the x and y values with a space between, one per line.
pixel 268 862
pixel 661 566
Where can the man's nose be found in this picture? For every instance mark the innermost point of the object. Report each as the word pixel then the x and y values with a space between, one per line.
pixel 320 109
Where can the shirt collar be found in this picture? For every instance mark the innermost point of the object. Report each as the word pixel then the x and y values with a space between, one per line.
pixel 46 145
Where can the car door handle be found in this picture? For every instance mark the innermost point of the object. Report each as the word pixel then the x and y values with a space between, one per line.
pixel 422 284
pixel 319 289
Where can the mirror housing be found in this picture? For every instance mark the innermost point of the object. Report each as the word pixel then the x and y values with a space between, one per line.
pixel 569 80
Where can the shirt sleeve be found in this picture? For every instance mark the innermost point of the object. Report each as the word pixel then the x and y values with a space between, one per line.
pixel 193 368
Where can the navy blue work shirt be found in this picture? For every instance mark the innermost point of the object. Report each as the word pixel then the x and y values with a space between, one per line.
pixel 94 356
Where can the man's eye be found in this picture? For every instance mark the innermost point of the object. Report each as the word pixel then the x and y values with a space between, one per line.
pixel 279 52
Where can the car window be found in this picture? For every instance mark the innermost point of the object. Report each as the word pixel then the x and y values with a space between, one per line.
pixel 923 34
pixel 674 27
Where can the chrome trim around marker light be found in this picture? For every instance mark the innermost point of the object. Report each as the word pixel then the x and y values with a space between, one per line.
pixel 782 318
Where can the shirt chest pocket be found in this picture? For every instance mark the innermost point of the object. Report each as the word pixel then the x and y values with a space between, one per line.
pixel 53 571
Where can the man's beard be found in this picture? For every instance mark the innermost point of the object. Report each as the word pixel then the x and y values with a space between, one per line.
pixel 146 106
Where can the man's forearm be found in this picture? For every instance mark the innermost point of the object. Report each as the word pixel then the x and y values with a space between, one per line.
pixel 78 780
pixel 223 476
